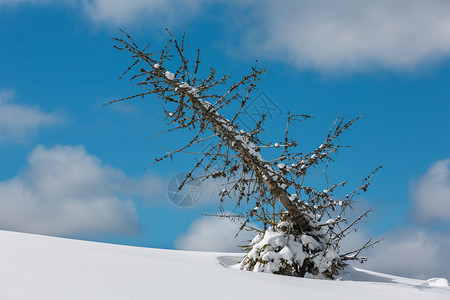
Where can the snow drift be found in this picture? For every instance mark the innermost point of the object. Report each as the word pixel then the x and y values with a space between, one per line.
pixel 41 267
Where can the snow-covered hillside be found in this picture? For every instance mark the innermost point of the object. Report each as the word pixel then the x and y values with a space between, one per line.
pixel 41 267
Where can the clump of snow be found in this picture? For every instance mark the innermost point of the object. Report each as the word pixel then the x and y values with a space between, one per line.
pixel 184 85
pixel 281 166
pixel 282 250
pixel 439 282
pixel 272 252
pixel 156 66
pixel 169 75
pixel 310 242
pixel 193 90
pixel 330 221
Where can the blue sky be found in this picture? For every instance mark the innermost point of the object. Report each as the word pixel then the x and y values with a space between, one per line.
pixel 74 168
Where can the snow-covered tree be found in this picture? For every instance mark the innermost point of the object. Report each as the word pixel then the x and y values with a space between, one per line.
pixel 302 225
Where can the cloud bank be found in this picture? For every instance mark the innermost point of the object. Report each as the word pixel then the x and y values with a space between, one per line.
pixel 18 122
pixel 118 12
pixel 65 191
pixel 421 249
pixel 347 35
pixel 431 194
pixel 412 252
pixel 353 35
pixel 213 234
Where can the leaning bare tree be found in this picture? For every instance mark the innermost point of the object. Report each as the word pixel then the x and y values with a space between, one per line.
pixel 302 225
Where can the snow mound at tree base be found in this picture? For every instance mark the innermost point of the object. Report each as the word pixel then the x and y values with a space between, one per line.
pixel 354 274
pixel 41 267
pixel 283 249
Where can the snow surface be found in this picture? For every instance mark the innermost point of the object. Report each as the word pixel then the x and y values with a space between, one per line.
pixel 41 267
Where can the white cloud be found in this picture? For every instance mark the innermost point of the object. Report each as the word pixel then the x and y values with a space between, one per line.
pixel 353 34
pixel 17 122
pixel 131 12
pixel 67 192
pixel 213 234
pixel 327 35
pixel 120 12
pixel 431 194
pixel 412 252
pixel 17 2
